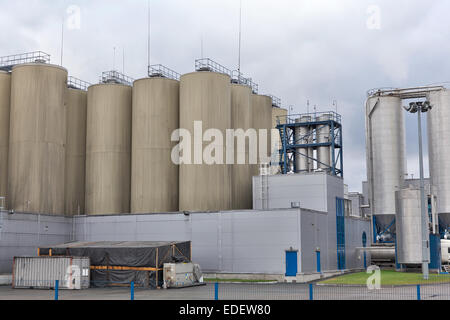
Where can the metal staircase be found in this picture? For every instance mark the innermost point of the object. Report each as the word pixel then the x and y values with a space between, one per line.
pixel 283 161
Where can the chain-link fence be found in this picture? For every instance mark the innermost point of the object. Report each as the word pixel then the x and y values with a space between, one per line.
pixel 234 292
pixel 329 292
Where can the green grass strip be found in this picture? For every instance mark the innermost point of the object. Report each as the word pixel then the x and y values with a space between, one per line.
pixel 388 278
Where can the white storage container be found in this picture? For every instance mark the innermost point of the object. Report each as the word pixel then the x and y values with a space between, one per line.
pixel 181 275
pixel 73 273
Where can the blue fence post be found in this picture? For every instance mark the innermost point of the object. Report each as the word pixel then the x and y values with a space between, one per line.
pixel 216 291
pixel 319 267
pixel 56 290
pixel 311 292
pixel 132 291
pixel 418 293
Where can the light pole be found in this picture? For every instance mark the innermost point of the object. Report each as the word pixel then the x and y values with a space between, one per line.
pixel 419 108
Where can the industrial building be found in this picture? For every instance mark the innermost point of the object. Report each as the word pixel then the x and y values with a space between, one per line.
pixel 95 163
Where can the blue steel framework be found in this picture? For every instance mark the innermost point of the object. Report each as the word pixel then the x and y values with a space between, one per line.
pixel 378 232
pixel 287 125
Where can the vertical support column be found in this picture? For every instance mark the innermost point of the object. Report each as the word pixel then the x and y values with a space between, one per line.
pixel 132 291
pixel 56 290
pixel 333 148
pixel 418 293
pixel 365 260
pixel 374 229
pixel 157 269
pixel 281 150
pixel 342 150
pixel 285 159
pixel 398 266
pixel 311 292
pixel 425 219
pixel 319 267
pixel 216 291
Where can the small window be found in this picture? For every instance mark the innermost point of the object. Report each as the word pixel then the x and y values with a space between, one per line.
pixel 449 250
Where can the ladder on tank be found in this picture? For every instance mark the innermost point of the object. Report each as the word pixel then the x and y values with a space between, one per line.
pixel 2 209
pixel 446 268
pixel 264 172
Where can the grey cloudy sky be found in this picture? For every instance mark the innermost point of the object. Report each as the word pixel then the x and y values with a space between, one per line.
pixel 299 50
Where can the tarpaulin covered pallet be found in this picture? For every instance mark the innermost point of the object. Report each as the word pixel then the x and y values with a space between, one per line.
pixel 115 263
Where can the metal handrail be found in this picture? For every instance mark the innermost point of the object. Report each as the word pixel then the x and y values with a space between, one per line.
pixel 75 83
pixel 276 102
pixel 238 78
pixel 405 93
pixel 7 62
pixel 255 88
pixel 116 77
pixel 2 209
pixel 290 119
pixel 207 64
pixel 158 70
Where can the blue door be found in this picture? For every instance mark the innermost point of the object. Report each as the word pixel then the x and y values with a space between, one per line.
pixel 364 240
pixel 291 263
pixel 340 231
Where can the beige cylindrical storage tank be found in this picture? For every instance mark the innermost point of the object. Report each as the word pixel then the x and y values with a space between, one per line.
pixel 262 119
pixel 5 100
pixel 154 177
pixel 75 152
pixel 278 114
pixel 37 139
pixel 108 149
pixel 242 172
pixel 206 97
